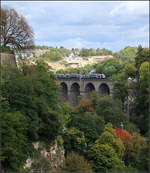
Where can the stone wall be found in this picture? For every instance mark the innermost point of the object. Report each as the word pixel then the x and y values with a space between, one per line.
pixel 8 59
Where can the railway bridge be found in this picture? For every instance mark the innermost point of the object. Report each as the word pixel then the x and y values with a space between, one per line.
pixel 73 87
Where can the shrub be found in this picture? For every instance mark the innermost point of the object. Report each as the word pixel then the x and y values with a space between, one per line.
pixel 75 163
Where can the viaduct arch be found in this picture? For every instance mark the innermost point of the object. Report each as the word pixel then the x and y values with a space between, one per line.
pixel 74 93
pixel 88 89
pixel 70 89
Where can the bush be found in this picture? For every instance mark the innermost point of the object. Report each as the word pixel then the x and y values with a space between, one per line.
pixel 91 124
pixel 14 143
pixel 75 163
pixel 103 158
pixel 107 152
pixel 74 140
pixel 111 110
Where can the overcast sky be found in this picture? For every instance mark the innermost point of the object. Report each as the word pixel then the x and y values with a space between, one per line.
pixel 90 24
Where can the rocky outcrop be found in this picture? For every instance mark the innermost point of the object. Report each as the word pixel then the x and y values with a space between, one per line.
pixel 55 156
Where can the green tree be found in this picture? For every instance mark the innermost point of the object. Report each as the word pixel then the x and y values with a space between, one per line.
pixel 109 137
pixel 144 76
pixel 74 140
pixel 75 163
pixel 4 104
pixel 50 126
pixel 141 56
pixel 130 70
pixel 91 124
pixel 140 116
pixel 120 81
pixel 137 156
pixel 32 91
pixel 109 67
pixel 14 141
pixel 30 112
pixel 19 91
pixel 103 158
pixel 67 111
pixel 106 154
pixel 111 110
pixel 84 52
pixel 75 51
pixel 128 54
pixel 55 54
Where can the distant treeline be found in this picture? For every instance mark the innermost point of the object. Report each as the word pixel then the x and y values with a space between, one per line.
pixel 94 52
pixel 126 54
pixel 56 54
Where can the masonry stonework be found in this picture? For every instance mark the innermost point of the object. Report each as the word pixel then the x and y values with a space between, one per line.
pixel 72 88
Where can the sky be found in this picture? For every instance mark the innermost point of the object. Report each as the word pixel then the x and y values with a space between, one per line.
pixel 90 24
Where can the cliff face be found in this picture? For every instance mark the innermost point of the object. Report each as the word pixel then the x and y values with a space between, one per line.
pixel 54 156
pixel 8 59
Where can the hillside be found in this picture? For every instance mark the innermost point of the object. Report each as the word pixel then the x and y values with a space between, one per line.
pixel 72 61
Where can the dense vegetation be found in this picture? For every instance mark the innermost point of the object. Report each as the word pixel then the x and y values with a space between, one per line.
pixel 83 70
pixel 94 52
pixel 55 54
pixel 30 112
pixel 127 54
pixel 92 135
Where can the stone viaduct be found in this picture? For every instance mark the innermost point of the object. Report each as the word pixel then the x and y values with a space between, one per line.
pixel 72 88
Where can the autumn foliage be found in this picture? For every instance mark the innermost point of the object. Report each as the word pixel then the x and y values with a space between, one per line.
pixel 126 138
pixel 85 105
pixel 124 135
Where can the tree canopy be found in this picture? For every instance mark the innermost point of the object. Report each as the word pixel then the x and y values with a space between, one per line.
pixel 15 31
pixel 94 52
pixel 75 163
pixel 127 54
pixel 92 125
pixel 55 54
pixel 29 104
pixel 109 67
pixel 108 108
pixel 106 154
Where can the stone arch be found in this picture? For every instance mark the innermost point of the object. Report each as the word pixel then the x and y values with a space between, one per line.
pixel 104 89
pixel 63 92
pixel 88 89
pixel 75 92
